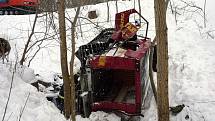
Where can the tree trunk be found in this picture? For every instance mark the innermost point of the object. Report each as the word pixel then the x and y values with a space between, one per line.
pixel 162 58
pixel 72 64
pixel 117 6
pixel 108 12
pixel 63 56
pixel 204 11
pixel 139 4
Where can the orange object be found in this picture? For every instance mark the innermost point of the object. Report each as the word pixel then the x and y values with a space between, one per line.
pixel 129 31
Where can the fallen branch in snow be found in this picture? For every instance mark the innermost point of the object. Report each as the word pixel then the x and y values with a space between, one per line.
pixel 9 116
pixel 11 85
pixel 22 110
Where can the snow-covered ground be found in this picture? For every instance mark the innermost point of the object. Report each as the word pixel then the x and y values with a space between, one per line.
pixel 191 65
pixel 25 102
pixel 192 73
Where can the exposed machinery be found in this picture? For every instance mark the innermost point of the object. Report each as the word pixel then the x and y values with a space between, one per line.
pixel 18 7
pixel 114 67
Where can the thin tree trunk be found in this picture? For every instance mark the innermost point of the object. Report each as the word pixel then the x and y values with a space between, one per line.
pixel 10 90
pixel 205 14
pixel 108 12
pixel 63 56
pixel 79 21
pixel 162 59
pixel 134 7
pixel 139 4
pixel 72 64
pixel 116 6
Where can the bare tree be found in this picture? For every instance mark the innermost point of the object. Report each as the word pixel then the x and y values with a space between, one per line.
pixel 72 65
pixel 116 6
pixel 28 41
pixel 188 8
pixel 79 21
pixel 139 4
pixel 22 109
pixel 204 11
pixel 30 44
pixel 162 56
pixel 69 84
pixel 63 56
pixel 9 95
pixel 108 12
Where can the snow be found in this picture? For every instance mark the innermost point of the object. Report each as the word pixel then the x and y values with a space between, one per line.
pixel 191 65
pixel 99 116
pixel 192 73
pixel 37 107
pixel 26 74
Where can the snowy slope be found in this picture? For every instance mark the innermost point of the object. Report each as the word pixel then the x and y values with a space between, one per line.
pixel 191 65
pixel 192 73
pixel 24 98
pixel 191 68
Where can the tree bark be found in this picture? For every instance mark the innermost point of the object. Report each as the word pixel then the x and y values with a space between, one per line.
pixel 72 65
pixel 63 56
pixel 108 12
pixel 162 59
pixel 117 6
pixel 204 11
pixel 139 4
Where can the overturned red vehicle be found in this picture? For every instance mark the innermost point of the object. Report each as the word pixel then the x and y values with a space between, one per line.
pixel 18 7
pixel 114 67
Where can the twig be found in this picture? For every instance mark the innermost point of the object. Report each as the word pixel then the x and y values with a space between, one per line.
pixel 20 115
pixel 11 85
pixel 29 40
pixel 9 116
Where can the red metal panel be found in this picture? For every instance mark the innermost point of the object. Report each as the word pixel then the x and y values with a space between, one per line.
pixel 106 105
pixel 129 63
pixel 123 18
pixel 19 3
pixel 137 91
pixel 23 2
pixel 110 62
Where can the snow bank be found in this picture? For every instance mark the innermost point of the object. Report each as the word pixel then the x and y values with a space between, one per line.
pixel 99 116
pixel 192 73
pixel 37 107
pixel 191 66
pixel 32 105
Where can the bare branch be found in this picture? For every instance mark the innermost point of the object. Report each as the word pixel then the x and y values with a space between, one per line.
pixel 204 13
pixel 29 40
pixel 21 113
pixel 9 95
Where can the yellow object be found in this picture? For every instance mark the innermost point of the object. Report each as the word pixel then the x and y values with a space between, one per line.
pixel 132 28
pixel 102 60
